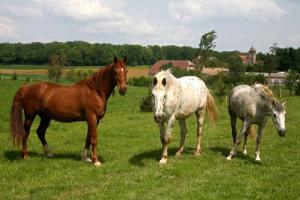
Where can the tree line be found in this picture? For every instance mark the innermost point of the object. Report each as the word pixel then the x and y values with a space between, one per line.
pixel 80 53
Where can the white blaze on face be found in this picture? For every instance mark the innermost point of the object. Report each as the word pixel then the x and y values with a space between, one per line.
pixel 159 94
pixel 279 119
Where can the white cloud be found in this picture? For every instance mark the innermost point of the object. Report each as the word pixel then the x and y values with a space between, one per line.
pixel 7 28
pixel 257 10
pixel 95 16
pixel 79 9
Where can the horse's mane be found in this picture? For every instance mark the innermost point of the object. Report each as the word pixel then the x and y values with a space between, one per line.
pixel 268 94
pixel 265 89
pixel 94 80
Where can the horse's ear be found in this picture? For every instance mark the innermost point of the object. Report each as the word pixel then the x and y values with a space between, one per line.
pixel 115 59
pixel 154 81
pixel 169 70
pixel 125 59
pixel 273 102
pixel 164 82
pixel 283 104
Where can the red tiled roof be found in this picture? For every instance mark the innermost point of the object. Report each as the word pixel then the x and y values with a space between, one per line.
pixel 182 64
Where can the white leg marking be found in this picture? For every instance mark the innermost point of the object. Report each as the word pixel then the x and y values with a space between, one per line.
pixel 85 156
pixel 97 164
pixel 163 161
pixel 245 152
pixel 47 151
pixel 257 157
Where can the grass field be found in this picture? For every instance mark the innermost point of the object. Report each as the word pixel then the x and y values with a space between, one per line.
pixel 129 146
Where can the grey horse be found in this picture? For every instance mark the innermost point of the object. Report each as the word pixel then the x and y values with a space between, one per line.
pixel 253 105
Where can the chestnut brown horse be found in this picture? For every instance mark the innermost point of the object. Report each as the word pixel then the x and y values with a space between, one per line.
pixel 83 101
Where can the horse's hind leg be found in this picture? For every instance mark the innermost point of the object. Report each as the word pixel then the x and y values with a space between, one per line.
pixel 183 131
pixel 27 125
pixel 246 125
pixel 86 149
pixel 41 131
pixel 233 118
pixel 200 119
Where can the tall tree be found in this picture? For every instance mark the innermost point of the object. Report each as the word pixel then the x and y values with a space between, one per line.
pixel 206 45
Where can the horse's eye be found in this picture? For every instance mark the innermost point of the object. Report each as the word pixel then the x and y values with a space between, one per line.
pixel 165 96
pixel 274 115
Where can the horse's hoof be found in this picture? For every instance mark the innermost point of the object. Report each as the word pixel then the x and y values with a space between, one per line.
pixel 229 158
pixel 197 153
pixel 163 161
pixel 49 154
pixel 87 159
pixel 26 157
pixel 245 153
pixel 179 153
pixel 257 159
pixel 97 164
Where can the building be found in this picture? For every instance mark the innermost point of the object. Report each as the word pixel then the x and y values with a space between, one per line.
pixel 181 64
pixel 214 71
pixel 277 78
pixel 250 57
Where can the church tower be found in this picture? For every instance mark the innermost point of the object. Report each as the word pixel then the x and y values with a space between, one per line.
pixel 252 56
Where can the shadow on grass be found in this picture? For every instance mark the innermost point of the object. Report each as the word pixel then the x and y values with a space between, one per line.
pixel 16 155
pixel 225 153
pixel 149 155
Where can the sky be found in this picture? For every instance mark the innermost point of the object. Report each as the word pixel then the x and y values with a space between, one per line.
pixel 239 23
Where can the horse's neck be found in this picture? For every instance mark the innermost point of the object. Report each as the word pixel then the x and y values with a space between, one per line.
pixel 104 82
pixel 265 101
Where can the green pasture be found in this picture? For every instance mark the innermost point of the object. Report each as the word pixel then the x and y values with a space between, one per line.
pixel 129 147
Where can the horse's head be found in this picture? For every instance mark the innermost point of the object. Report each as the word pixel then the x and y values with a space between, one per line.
pixel 278 117
pixel 120 72
pixel 159 93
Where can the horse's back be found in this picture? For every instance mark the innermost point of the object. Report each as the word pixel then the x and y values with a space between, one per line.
pixel 193 94
pixel 60 102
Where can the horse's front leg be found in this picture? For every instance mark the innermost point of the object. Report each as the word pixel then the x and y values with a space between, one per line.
pixel 246 125
pixel 258 140
pixel 92 131
pixel 183 131
pixel 165 138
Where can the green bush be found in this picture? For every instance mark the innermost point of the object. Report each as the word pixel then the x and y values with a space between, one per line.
pixel 146 102
pixel 140 81
pixel 14 76
pixel 77 75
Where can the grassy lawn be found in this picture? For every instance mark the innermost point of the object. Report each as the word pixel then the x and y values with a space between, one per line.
pixel 129 146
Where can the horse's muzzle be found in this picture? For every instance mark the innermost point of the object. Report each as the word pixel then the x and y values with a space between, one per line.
pixel 281 132
pixel 157 118
pixel 122 91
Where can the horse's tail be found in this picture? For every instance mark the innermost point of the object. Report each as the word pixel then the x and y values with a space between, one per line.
pixel 211 108
pixel 16 119
pixel 251 131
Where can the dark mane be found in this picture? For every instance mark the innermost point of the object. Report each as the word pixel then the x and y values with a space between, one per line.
pixel 94 81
